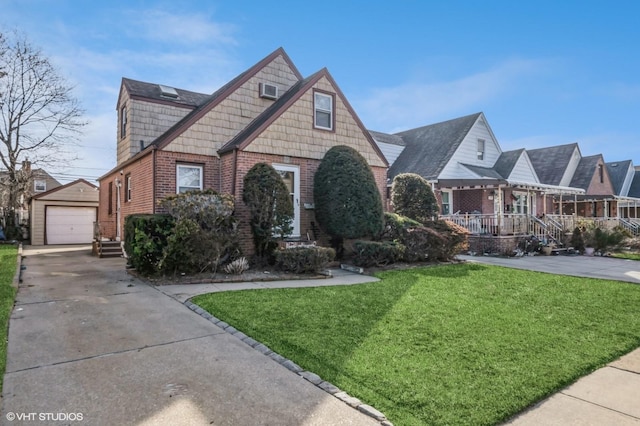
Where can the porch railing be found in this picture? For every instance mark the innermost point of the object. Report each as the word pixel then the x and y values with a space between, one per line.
pixel 548 228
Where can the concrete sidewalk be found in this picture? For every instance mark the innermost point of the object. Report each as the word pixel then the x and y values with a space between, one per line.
pixel 610 395
pixel 89 342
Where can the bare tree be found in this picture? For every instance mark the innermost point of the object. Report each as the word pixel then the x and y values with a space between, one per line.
pixel 38 115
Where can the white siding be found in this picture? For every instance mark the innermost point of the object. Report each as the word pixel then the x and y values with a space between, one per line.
pixel 467 153
pixel 571 168
pixel 523 171
pixel 624 191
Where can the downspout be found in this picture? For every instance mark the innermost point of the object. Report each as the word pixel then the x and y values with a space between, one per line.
pixel 153 181
pixel 234 171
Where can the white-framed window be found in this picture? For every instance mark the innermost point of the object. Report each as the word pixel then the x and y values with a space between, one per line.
pixel 446 202
pixel 188 177
pixel 127 187
pixel 520 202
pixel 323 111
pixel 480 149
pixel 39 185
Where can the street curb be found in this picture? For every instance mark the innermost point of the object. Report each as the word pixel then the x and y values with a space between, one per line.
pixel 293 367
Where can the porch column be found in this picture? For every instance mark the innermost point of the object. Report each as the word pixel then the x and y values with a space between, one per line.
pixel 606 209
pixel 560 205
pixel 575 204
pixel 544 202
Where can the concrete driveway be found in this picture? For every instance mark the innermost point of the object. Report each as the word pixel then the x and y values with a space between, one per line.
pixel 89 342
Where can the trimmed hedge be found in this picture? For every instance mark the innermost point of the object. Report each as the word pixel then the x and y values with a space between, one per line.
pixel 304 259
pixel 413 197
pixel 377 253
pixel 347 201
pixel 395 225
pixel 145 237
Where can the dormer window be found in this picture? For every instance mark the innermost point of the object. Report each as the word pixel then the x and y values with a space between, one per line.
pixel 323 111
pixel 480 149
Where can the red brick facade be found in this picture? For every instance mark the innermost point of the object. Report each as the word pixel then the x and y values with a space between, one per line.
pixel 150 184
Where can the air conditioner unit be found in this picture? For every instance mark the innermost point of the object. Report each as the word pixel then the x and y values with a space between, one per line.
pixel 268 91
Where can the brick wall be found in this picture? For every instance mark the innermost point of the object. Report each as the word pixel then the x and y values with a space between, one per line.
pixel 166 162
pixel 308 168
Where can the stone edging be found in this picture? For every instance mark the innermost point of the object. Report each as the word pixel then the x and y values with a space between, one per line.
pixel 292 366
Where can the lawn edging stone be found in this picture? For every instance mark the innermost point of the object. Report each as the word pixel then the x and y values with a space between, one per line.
pixel 309 376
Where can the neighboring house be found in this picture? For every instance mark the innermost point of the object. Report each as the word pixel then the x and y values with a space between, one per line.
pixel 34 181
pixel 65 214
pixel 626 184
pixel 172 140
pixel 478 185
pixel 565 165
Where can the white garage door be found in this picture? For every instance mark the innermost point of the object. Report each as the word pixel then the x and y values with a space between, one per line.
pixel 70 225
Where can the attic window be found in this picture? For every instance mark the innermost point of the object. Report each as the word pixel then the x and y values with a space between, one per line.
pixel 323 114
pixel 40 185
pixel 168 92
pixel 480 149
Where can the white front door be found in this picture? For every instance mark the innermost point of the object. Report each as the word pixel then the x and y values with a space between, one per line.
pixel 291 176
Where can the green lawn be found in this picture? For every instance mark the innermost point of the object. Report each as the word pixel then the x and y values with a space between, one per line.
pixel 455 344
pixel 8 263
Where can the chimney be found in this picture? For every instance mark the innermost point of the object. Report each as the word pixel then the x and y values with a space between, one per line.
pixel 26 166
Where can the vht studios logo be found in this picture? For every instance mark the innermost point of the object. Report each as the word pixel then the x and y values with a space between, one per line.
pixel 48 417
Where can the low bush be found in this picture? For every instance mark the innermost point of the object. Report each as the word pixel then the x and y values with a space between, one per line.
pixel 456 239
pixel 422 243
pixel 377 253
pixel 302 260
pixel 145 239
pixel 395 225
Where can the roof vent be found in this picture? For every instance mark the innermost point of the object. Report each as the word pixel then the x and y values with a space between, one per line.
pixel 168 92
pixel 268 91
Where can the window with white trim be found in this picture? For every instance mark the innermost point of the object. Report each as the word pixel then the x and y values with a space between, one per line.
pixel 188 178
pixel 480 149
pixel 323 111
pixel 127 187
pixel 39 185
pixel 446 202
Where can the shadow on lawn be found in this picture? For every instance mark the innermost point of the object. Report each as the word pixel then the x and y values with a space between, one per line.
pixel 320 328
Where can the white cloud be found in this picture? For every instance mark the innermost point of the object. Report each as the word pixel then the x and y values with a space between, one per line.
pixel 419 103
pixel 165 26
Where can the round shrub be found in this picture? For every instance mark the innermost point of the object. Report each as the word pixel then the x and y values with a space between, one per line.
pixel 377 253
pixel 347 201
pixel 413 197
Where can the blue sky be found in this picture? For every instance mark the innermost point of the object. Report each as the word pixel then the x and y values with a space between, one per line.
pixel 544 73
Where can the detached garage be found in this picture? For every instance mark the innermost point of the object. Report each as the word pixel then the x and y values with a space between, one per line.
pixel 64 215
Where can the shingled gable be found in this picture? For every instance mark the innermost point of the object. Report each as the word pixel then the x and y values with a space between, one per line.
pixel 220 95
pixel 205 103
pixel 429 148
pixel 264 120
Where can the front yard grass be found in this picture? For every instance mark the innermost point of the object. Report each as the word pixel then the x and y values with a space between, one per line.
pixel 453 344
pixel 8 264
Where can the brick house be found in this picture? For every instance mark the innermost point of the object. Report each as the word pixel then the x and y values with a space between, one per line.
pixel 172 140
